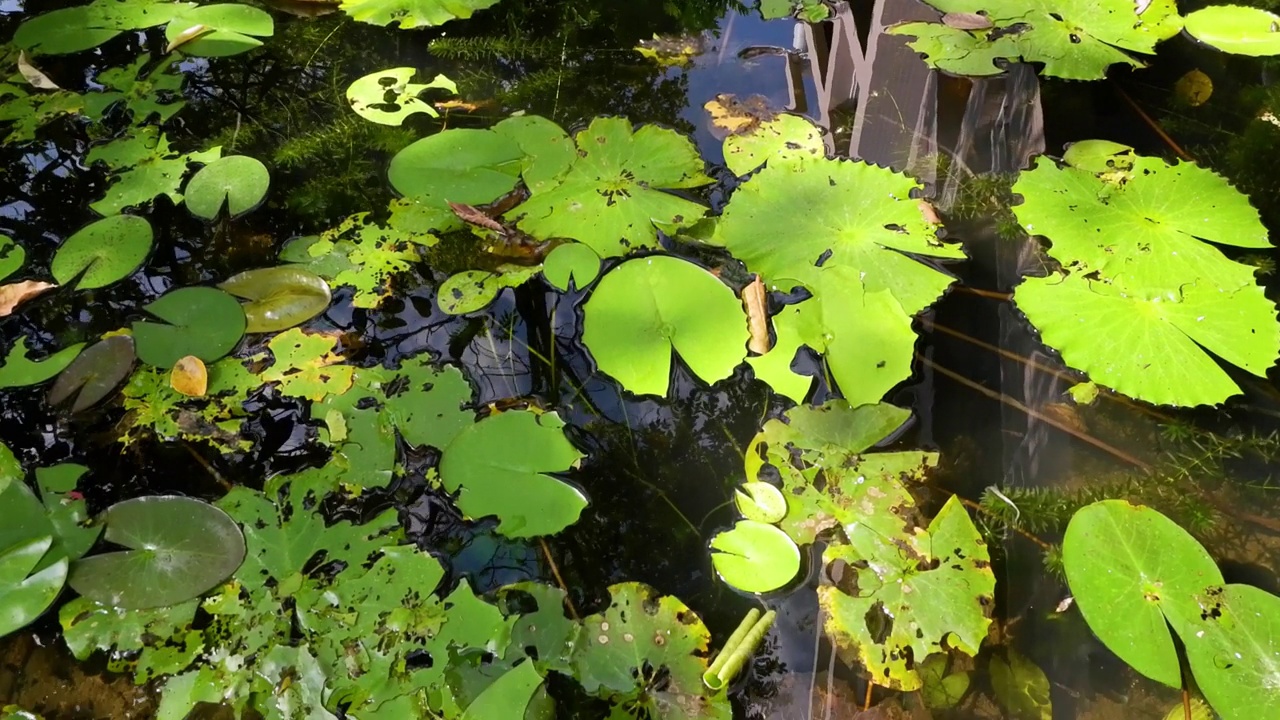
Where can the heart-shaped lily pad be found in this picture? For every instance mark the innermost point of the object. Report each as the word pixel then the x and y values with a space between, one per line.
pixel 279 297
pixel 202 321
pixel 178 549
pixel 239 181
pixel 574 262
pixel 755 556
pixel 94 374
pixel 25 595
pixel 107 250
pixel 19 370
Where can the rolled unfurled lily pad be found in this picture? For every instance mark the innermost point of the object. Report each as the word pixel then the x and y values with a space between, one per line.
pixel 279 297
pixel 219 30
pixel 178 549
pixel 238 181
pixel 105 251
pixel 19 370
pixel 94 374
pixel 25 595
pixel 202 321
pixel 387 97
pixel 755 556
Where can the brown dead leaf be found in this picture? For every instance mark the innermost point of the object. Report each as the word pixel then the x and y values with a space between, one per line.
pixel 930 215
pixel 14 294
pixel 466 105
pixel 32 74
pixel 753 299
pixel 189 377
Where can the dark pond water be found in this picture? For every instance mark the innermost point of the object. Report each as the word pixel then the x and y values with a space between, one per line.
pixel 660 473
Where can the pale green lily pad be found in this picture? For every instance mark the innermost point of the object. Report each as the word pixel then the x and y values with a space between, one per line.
pixel 1155 349
pixel 611 197
pixel 1099 156
pixel 388 98
pixel 646 307
pixel 761 502
pixel 94 374
pixel 1021 686
pixel 571 263
pixel 225 29
pixel 863 215
pixel 499 467
pixel 755 557
pixel 201 321
pixel 178 549
pixel 278 297
pixel 774 367
pixel 508 696
pixel 462 165
pixel 107 250
pixel 472 290
pixel 19 370
pixel 1231 645
pixel 1130 568
pixel 918 594
pixel 1075 39
pixel 24 594
pixel 412 13
pixel 777 141
pixel 237 182
pixel 12 256
pixel 79 28
pixel 1235 29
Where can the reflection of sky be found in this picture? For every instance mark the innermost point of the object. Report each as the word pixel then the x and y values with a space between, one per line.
pixel 720 70
pixel 8 7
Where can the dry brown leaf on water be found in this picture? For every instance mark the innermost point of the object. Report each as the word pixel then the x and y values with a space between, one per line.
pixel 32 74
pixel 14 294
pixel 929 213
pixel 189 377
pixel 754 300
pixel 966 21
pixel 731 116
pixel 465 105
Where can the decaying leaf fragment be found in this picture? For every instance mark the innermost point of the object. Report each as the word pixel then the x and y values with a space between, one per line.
pixel 755 303
pixel 33 75
pixel 187 36
pixel 189 377
pixel 14 294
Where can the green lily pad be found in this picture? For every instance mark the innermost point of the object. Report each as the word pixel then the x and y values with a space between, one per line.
pixel 465 166
pixel 105 251
pixel 644 308
pixel 24 518
pixel 761 502
pixel 1099 156
pixel 1236 29
pixel 144 167
pixel 67 512
pixel 472 290
pixel 777 141
pixel 425 403
pixel 611 197
pixel 647 652
pixel 1075 39
pixel 238 181
pixel 12 256
pixel 1130 568
pixel 917 594
pixel 774 367
pixel 807 10
pixel 942 689
pixel 1231 647
pixel 19 370
pixel 202 321
pixel 508 696
pixel 548 150
pixel 279 297
pixel 79 28
pixel 178 548
pixel 499 467
pixel 24 595
pixel 1021 686
pixel 388 98
pixel 412 13
pixel 755 557
pixel 225 29
pixel 571 263
pixel 94 374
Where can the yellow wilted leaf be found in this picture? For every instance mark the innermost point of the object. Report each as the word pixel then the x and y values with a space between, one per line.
pixel 1194 88
pixel 732 116
pixel 189 377
pixel 14 294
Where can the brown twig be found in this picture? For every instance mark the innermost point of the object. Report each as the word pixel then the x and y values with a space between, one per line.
pixel 1155 126
pixel 866 704
pixel 212 471
pixel 977 507
pixel 555 571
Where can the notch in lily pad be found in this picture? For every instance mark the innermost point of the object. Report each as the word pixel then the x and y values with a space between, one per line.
pixel 237 182
pixel 201 321
pixel 177 548
pixel 278 297
pixel 103 252
pixel 94 374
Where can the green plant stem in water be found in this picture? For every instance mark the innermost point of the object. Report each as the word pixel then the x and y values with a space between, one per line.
pixel 741 645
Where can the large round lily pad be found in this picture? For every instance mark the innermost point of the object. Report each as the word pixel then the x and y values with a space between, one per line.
pixel 412 13
pixel 279 297
pixel 644 308
pixel 499 467
pixel 219 30
pixel 94 374
pixel 1232 646
pixel 202 321
pixel 465 166
pixel 755 557
pixel 237 181
pixel 107 250
pixel 178 549
pixel 1236 29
